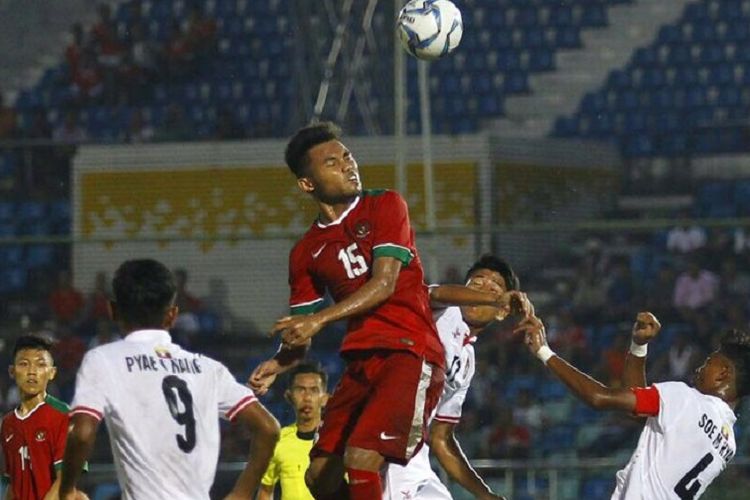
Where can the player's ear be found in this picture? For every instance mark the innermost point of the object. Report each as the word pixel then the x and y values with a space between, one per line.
pixel 170 317
pixel 305 184
pixel 11 372
pixel 288 396
pixel 52 372
pixel 324 399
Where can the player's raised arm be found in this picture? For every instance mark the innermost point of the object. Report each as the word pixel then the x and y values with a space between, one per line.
pixel 587 389
pixel 81 439
pixel 264 431
pixel 296 331
pixel 645 329
pixel 447 449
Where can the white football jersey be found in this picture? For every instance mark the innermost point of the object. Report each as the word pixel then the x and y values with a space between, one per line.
pixel 682 449
pixel 417 479
pixel 162 406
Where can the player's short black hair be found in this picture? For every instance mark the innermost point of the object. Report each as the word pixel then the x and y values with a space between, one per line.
pixel 31 341
pixel 143 291
pixel 735 345
pixel 500 266
pixel 304 140
pixel 308 368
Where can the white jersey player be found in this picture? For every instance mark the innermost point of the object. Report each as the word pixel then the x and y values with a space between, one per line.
pixel 688 438
pixel 458 328
pixel 162 404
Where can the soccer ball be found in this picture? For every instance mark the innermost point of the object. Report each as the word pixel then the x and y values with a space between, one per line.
pixel 429 29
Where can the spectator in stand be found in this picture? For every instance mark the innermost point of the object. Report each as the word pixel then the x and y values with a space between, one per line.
pixel 104 38
pixel 178 54
pixel 175 127
pixel 620 290
pixel 144 52
pixel 8 120
pixel 695 289
pixel 590 296
pixel 507 438
pixel 659 295
pixel 567 336
pixel 75 48
pixel 70 132
pixel 735 282
pixel 97 303
pixel 65 301
pixel 684 239
pixel 201 33
pixel 527 411
pixel 186 301
pixel 138 131
pixel 613 359
pixel 87 79
pixel 68 354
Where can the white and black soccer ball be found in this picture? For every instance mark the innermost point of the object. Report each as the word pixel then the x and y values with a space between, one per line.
pixel 430 29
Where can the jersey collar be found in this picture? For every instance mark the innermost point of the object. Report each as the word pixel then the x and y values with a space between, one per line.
pixel 342 216
pixel 149 336
pixel 24 417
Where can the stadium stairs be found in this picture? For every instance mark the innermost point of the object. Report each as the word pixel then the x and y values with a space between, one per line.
pixel 558 92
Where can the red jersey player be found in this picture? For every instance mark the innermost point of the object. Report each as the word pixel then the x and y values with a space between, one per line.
pixel 361 251
pixel 33 435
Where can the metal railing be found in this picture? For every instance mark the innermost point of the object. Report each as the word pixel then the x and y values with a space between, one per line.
pixel 516 479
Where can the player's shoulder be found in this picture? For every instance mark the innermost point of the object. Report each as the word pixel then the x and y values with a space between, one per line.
pixel 676 391
pixel 56 405
pixel 288 432
pixel 381 196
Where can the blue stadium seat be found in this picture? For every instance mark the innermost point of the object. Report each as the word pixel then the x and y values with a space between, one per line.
pixel 40 256
pixel 12 280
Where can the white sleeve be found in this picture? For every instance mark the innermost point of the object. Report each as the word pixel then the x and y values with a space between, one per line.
pixel 450 405
pixel 232 396
pixel 673 398
pixel 90 396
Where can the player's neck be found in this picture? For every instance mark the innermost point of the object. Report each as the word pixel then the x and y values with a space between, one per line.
pixel 329 212
pixel 28 403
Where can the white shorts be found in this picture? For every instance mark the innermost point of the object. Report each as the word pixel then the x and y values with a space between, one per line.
pixel 415 480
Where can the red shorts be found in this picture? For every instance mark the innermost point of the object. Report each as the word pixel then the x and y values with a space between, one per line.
pixel 382 403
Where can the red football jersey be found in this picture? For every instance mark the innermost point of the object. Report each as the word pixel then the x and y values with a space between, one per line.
pixel 338 257
pixel 33 447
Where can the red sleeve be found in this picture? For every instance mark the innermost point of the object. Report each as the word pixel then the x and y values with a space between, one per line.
pixel 62 435
pixel 392 233
pixel 305 297
pixel 646 401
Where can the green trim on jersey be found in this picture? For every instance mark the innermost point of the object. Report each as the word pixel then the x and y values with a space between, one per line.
pixel 55 403
pixel 306 309
pixel 373 192
pixel 395 251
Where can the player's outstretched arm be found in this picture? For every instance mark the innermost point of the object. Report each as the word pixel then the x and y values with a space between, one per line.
pixel 446 448
pixel 264 430
pixel 587 389
pixel 298 330
pixel 81 438
pixel 265 492
pixel 264 375
pixel 645 329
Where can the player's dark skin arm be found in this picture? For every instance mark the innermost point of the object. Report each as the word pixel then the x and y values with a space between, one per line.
pixel 264 431
pixel 447 449
pixel 646 327
pixel 297 330
pixel 587 389
pixel 81 439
